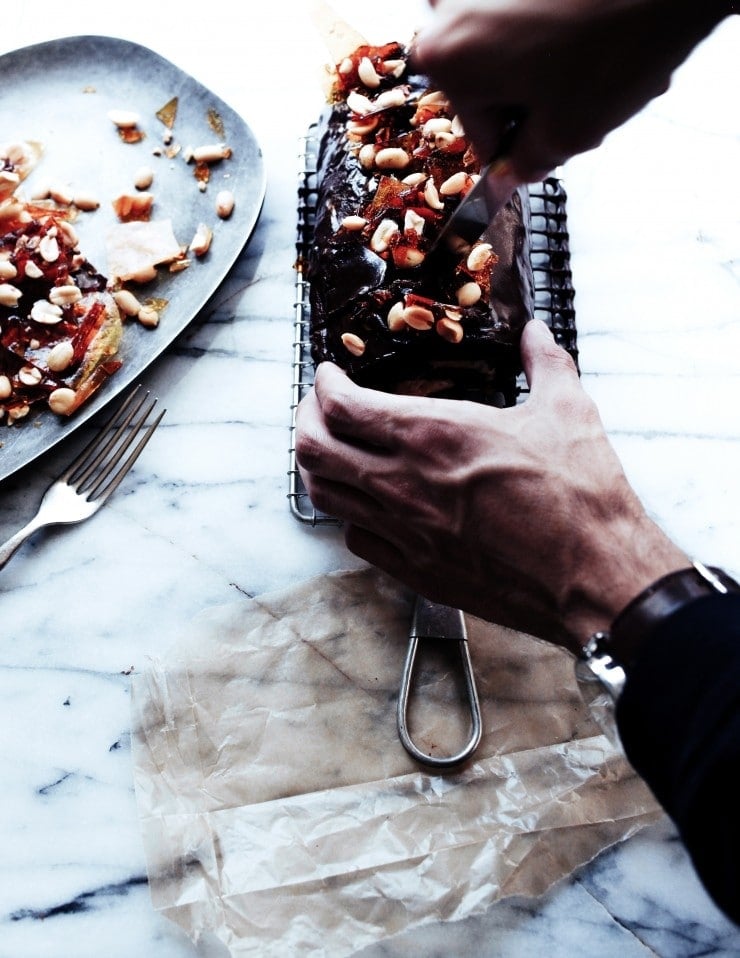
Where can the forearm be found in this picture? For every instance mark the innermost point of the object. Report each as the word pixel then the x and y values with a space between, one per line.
pixel 679 720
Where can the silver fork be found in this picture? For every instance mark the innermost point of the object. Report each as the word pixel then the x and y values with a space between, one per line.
pixel 88 482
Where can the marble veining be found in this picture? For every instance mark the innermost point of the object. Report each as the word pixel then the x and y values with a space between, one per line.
pixel 203 518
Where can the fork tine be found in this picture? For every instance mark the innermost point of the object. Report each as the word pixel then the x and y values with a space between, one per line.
pixel 107 446
pixel 98 460
pixel 128 462
pixel 97 447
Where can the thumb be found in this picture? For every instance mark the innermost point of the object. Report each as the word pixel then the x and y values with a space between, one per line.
pixel 547 365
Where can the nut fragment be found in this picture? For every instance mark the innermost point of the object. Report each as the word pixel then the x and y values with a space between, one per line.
pixel 357 129
pixel 225 204
pixel 30 375
pixel 62 400
pixel 366 156
pixel 479 257
pixel 9 295
pixel 45 312
pixel 413 223
pixel 395 320
pixel 6 388
pixel 127 302
pixel 18 412
pixel 143 178
pixel 65 295
pixel 124 119
pixel 353 344
pixel 449 329
pixel 367 73
pixel 33 270
pixel 454 184
pixel 148 316
pixel 394 97
pixel 353 223
pixel 359 104
pixel 436 124
pixel 418 317
pixel 392 68
pixel 7 270
pixel 435 99
pixel 201 241
pixel 469 294
pixel 49 248
pixel 392 158
pixel 384 233
pixel 211 153
pixel 86 202
pixel 431 195
pixel 62 195
pixel 60 356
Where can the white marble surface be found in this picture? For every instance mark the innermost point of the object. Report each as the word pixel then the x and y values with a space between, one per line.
pixel 655 227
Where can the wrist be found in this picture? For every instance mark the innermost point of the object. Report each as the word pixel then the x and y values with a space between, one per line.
pixel 624 560
pixel 610 655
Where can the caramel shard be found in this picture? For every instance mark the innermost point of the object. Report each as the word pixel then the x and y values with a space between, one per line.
pixel 168 113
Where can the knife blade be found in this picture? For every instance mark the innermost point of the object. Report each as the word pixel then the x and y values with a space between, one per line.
pixel 477 209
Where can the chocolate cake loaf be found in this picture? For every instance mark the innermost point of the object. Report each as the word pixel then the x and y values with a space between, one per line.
pixel 393 163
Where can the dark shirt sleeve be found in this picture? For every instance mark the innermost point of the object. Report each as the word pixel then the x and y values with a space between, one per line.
pixel 679 721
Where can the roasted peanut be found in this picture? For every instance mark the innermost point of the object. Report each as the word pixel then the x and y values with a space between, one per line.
pixel 62 400
pixel 201 241
pixel 60 356
pixel 225 204
pixel 479 257
pixel 127 302
pixel 418 317
pixel 384 233
pixel 353 344
pixel 45 312
pixel 367 73
pixel 449 329
pixel 9 295
pixel 143 178
pixel 211 153
pixel 469 294
pixel 65 295
pixel 392 158
pixel 395 319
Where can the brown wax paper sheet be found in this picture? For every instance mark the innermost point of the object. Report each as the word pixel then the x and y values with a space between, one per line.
pixel 280 813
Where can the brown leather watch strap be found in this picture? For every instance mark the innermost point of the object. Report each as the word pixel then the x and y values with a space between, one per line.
pixel 661 599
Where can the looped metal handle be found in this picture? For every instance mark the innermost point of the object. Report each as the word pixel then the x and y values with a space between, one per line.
pixel 473 704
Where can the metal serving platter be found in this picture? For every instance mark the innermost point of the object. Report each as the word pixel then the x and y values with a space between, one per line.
pixel 59 94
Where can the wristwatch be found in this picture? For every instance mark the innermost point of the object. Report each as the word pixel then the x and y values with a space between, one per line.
pixel 609 655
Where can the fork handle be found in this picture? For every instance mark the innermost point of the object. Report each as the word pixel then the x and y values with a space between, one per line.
pixel 9 548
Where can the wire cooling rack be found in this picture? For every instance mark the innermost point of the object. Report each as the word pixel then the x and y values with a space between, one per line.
pixel 553 295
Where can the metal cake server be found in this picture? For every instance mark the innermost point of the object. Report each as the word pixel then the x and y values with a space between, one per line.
pixel 434 621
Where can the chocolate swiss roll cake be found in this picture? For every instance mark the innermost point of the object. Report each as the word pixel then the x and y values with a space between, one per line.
pixel 392 164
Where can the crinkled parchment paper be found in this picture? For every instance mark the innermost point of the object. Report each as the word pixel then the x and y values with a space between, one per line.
pixel 282 816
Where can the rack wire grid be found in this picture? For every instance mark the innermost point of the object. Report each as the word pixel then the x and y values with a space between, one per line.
pixel 554 296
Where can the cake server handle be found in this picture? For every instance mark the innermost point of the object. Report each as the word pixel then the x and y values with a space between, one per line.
pixel 434 621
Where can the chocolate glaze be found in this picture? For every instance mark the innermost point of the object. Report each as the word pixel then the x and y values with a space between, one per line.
pixel 352 288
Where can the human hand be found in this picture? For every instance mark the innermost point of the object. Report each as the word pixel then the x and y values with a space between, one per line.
pixel 522 516
pixel 576 69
